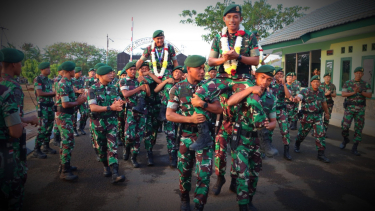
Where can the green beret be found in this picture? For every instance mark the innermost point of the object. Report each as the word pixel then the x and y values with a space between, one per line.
pixel 78 69
pixel 104 70
pixel 91 69
pixel 12 55
pixel 278 69
pixel 68 66
pixel 178 68
pixel 98 65
pixel 129 65
pixel 194 61
pixel 1 56
pixel 358 69
pixel 184 69
pixel 158 33
pixel 211 68
pixel 290 74
pixel 327 74
pixel 123 71
pixel 143 64
pixel 315 77
pixel 233 8
pixel 267 69
pixel 59 68
pixel 43 65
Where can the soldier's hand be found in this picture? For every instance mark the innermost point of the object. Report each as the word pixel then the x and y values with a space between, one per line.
pixel 297 99
pixel 34 121
pixel 140 77
pixel 146 73
pixel 256 90
pixel 282 81
pixel 326 116
pixel 170 80
pixel 196 101
pixel 328 92
pixel 82 98
pixel 117 105
pixel 197 118
pixel 232 54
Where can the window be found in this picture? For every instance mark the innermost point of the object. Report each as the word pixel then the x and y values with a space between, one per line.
pixel 373 47
pixel 329 68
pixel 368 64
pixel 342 49
pixel 290 63
pixel 350 49
pixel 303 63
pixel 364 47
pixel 346 67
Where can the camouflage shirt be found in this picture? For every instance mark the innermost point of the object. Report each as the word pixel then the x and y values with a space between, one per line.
pixel 269 104
pixel 130 84
pixel 349 86
pixel 312 100
pixel 21 96
pixel 249 48
pixel 298 83
pixel 10 104
pixel 154 97
pixel 103 95
pixel 294 89
pixel 65 92
pixel 45 84
pixel 89 82
pixel 78 83
pixel 278 91
pixel 331 87
pixel 159 55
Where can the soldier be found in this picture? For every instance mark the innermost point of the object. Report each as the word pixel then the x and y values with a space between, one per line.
pixel 281 92
pixel 121 114
pixel 312 107
pixel 79 84
pixel 290 104
pixel 212 72
pixel 297 84
pixel 245 140
pixel 329 92
pixel 105 102
pixel 13 173
pixel 66 100
pixel 56 135
pixel 170 127
pixel 135 121
pixel 180 110
pixel 44 96
pixel 163 56
pixel 316 72
pixel 356 91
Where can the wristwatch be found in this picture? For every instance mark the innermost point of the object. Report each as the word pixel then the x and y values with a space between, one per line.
pixel 205 105
pixel 108 108
pixel 239 58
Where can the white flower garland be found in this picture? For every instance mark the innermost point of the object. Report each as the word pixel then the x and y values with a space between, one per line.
pixel 230 66
pixel 154 62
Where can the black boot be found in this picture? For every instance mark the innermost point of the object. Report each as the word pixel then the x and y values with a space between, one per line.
pixel 354 149
pixel 47 149
pixel 293 125
pixel 127 153
pixel 204 138
pixel 343 144
pixel 81 129
pixel 173 160
pixel 296 146
pixel 243 207
pixel 150 158
pixel 251 206
pixel 97 154
pixel 56 140
pixel 134 161
pixel 198 207
pixel 265 144
pixel 160 129
pixel 72 168
pixel 185 202
pixel 218 185
pixel 322 157
pixel 141 106
pixel 233 185
pixel 107 170
pixel 39 154
pixel 75 132
pixel 163 110
pixel 66 173
pixel 286 153
pixel 115 176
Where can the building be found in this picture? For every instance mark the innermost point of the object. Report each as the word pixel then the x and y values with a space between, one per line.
pixel 336 38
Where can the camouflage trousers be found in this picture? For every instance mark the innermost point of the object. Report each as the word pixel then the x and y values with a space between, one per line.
pixel 56 130
pixel 152 125
pixel 282 119
pixel 170 132
pixel 221 142
pixel 359 122
pixel 121 127
pixel 45 126
pixel 326 121
pixel 93 141
pixel 292 111
pixel 65 124
pixel 202 159
pixel 164 94
pixel 248 164
pixel 83 110
pixel 315 122
pixel 106 140
pixel 134 130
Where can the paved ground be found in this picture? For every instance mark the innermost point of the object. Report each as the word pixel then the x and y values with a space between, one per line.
pixel 346 183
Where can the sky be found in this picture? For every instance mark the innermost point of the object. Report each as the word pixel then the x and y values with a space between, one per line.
pixel 44 23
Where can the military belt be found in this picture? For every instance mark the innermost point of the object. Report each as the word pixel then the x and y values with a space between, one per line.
pixel 49 104
pixel 315 112
pixel 190 128
pixel 357 104
pixel 65 110
pixel 249 134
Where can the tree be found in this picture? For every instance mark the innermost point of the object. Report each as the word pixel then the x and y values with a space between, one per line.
pixel 256 16
pixel 31 52
pixel 30 70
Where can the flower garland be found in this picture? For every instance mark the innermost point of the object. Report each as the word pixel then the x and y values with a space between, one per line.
pixel 230 66
pixel 154 62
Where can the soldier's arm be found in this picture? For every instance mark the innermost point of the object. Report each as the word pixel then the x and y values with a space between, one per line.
pixel 128 93
pixel 156 79
pixel 344 91
pixel 11 113
pixel 65 98
pixel 175 63
pixel 333 93
pixel 239 96
pixel 213 107
pixel 160 86
pixel 287 91
pixel 325 108
pixel 368 92
pixel 39 92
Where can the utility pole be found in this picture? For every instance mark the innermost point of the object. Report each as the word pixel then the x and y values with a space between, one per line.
pixel 2 31
pixel 107 48
pixel 131 54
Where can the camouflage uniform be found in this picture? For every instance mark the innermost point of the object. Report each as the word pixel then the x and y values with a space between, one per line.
pixel 104 124
pixel 331 87
pixel 297 84
pixel 291 106
pixel 180 101
pixel 83 110
pixel 55 127
pixel 65 93
pixel 88 83
pixel 355 109
pixel 45 110
pixel 312 110
pixel 120 118
pixel 12 177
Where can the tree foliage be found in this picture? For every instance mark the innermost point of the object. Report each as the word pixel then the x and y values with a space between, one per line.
pixel 257 15
pixel 30 69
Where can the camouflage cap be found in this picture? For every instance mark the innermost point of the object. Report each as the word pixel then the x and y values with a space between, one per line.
pixel 1 56
pixel 12 55
pixel 43 65
pixel 327 74
pixel 68 66
pixel 194 61
pixel 358 69
pixel 103 70
pixel 233 8
pixel 98 65
pixel 78 69
pixel 315 77
pixel 267 69
pixel 129 65
pixel 158 33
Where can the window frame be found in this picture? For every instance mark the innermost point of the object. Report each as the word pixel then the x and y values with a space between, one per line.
pixel 341 69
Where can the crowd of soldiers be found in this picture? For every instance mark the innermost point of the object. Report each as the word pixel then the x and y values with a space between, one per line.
pixel 235 106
